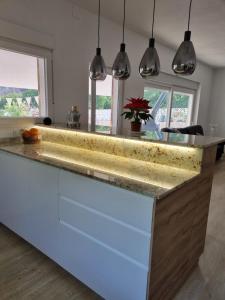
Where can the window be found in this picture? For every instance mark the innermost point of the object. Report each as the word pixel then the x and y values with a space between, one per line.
pixel 171 106
pixel 159 100
pixel 181 111
pixel 103 96
pixel 23 84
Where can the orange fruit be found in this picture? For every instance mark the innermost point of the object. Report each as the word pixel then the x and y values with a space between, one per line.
pixel 26 134
pixel 34 131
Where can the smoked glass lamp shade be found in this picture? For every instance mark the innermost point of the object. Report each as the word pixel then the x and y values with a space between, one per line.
pixel 121 68
pixel 150 64
pixel 98 68
pixel 184 62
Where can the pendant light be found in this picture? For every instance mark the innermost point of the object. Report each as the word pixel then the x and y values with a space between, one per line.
pixel 98 69
pixel 184 62
pixel 121 68
pixel 150 64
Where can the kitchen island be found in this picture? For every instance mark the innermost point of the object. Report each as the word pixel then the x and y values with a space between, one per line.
pixel 125 215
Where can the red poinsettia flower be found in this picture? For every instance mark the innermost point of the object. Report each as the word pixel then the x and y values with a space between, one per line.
pixel 138 104
pixel 139 110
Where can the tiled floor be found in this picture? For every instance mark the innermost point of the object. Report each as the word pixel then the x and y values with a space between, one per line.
pixel 208 281
pixel 26 274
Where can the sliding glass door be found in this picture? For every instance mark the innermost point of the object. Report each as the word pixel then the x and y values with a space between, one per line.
pixel 159 100
pixel 171 106
pixel 181 110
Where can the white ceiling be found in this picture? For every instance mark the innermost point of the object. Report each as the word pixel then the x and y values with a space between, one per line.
pixel 207 23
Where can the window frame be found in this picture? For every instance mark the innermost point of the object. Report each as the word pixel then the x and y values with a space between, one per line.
pixel 193 101
pixel 173 89
pixel 45 55
pixel 117 104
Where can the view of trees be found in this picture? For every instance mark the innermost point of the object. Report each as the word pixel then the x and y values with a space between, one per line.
pixel 13 110
pixel 179 100
pixel 14 102
pixel 22 93
pixel 103 102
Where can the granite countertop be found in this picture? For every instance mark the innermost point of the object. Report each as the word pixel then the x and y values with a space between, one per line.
pixel 151 179
pixel 196 141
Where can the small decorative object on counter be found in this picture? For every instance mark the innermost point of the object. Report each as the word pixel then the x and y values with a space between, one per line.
pixel 47 121
pixel 139 111
pixel 31 136
pixel 73 119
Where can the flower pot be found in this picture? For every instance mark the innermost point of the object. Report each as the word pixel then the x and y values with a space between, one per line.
pixel 136 126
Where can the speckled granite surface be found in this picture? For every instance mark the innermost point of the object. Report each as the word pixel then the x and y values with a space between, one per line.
pixel 194 141
pixel 169 155
pixel 148 178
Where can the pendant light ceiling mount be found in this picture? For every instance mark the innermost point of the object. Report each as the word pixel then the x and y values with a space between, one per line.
pixel 187 34
pixel 184 62
pixel 152 39
pixel 98 67
pixel 123 45
pixel 150 63
pixel 121 68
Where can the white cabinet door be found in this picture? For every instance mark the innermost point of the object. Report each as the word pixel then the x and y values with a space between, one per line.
pixel 98 232
pixel 29 200
pixel 106 233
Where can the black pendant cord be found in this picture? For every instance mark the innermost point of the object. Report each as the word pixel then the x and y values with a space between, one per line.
pixel 124 19
pixel 99 21
pixel 153 19
pixel 189 16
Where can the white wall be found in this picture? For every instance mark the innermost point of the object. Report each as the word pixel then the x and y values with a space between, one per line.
pixel 217 106
pixel 74 34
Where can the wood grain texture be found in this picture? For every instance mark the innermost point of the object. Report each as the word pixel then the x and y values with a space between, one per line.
pixel 179 232
pixel 25 274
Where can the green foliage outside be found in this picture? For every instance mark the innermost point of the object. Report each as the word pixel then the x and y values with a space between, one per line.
pixel 14 102
pixel 13 110
pixel 29 93
pixel 24 101
pixel 24 94
pixel 103 129
pixel 103 102
pixel 150 135
pixel 152 96
pixel 33 103
pixel 179 101
pixel 3 103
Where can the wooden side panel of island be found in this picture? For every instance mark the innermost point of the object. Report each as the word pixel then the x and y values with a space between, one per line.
pixel 179 232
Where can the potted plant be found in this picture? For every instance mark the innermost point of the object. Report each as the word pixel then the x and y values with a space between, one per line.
pixel 138 112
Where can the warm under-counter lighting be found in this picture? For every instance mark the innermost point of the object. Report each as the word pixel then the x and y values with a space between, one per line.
pixel 121 167
pixel 118 139
pixel 149 162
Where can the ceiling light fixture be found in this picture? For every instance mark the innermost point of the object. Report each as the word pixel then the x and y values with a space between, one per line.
pixel 98 68
pixel 150 63
pixel 184 62
pixel 121 68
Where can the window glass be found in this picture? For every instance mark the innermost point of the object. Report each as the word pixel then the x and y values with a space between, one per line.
pixel 22 93
pixel 104 104
pixel 170 107
pixel 159 99
pixel 104 97
pixel 181 110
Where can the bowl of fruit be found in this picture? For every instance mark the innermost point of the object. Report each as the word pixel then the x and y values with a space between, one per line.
pixel 31 136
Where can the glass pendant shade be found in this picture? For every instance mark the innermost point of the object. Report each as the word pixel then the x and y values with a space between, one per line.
pixel 184 62
pixel 150 64
pixel 121 68
pixel 98 68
